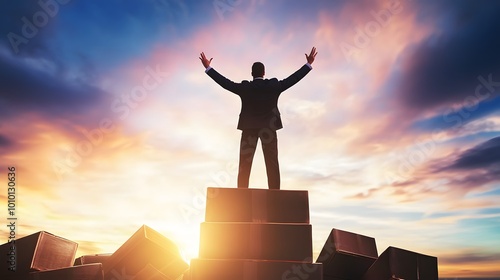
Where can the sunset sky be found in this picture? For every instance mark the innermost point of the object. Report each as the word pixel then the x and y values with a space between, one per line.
pixel 111 122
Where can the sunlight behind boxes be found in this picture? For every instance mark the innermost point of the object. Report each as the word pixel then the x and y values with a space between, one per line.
pixel 146 246
pixel 255 234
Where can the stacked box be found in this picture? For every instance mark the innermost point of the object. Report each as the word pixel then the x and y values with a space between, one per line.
pixel 347 255
pixel 292 242
pixel 395 263
pixel 255 234
pixel 257 205
pixel 146 246
pixel 37 252
pixel 88 259
pixel 80 272
pixel 233 269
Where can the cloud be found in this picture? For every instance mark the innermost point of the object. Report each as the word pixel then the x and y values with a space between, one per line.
pixel 46 107
pixel 426 80
pixel 4 141
pixel 485 155
pixel 180 138
pixel 24 88
pixel 17 18
pixel 453 175
pixel 470 257
pixel 469 263
pixel 457 117
pixel 443 69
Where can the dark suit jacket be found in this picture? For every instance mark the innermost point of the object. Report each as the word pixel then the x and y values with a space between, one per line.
pixel 259 98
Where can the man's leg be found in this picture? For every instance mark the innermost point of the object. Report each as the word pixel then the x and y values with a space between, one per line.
pixel 269 140
pixel 248 143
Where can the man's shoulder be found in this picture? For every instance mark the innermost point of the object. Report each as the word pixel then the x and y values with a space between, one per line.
pixel 265 81
pixel 272 80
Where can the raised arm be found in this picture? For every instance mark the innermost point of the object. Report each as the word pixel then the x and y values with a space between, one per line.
pixel 204 60
pixel 310 58
pixel 218 78
pixel 301 73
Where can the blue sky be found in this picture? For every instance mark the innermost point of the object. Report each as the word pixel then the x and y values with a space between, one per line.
pixel 108 115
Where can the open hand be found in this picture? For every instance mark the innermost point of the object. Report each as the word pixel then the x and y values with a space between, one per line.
pixel 205 61
pixel 311 56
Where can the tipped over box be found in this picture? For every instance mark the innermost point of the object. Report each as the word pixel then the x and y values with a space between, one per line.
pixel 347 255
pixel 89 259
pixel 145 246
pixel 396 263
pixel 80 272
pixel 38 252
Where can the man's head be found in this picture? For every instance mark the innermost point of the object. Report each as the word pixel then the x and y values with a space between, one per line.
pixel 258 70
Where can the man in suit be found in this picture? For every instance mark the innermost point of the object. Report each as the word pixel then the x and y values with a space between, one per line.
pixel 259 117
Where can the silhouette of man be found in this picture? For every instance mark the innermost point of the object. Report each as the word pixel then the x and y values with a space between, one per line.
pixel 259 117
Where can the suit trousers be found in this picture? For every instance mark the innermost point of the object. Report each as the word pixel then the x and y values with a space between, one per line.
pixel 248 144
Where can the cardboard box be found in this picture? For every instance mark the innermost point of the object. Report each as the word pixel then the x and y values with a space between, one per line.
pixel 80 272
pixel 347 255
pixel 212 269
pixel 35 252
pixel 326 277
pixel 257 205
pixel 150 273
pixel 289 242
pixel 88 259
pixel 395 263
pixel 146 246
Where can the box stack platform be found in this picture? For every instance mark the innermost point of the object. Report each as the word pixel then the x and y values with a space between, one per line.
pixel 255 234
pixel 248 234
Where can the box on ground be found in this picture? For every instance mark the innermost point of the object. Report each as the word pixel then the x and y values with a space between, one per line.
pixel 150 273
pixel 402 264
pixel 326 277
pixel 257 205
pixel 35 252
pixel 80 272
pixel 145 246
pixel 290 242
pixel 213 269
pixel 347 255
pixel 88 259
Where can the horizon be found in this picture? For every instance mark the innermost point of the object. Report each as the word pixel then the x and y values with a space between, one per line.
pixel 110 121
